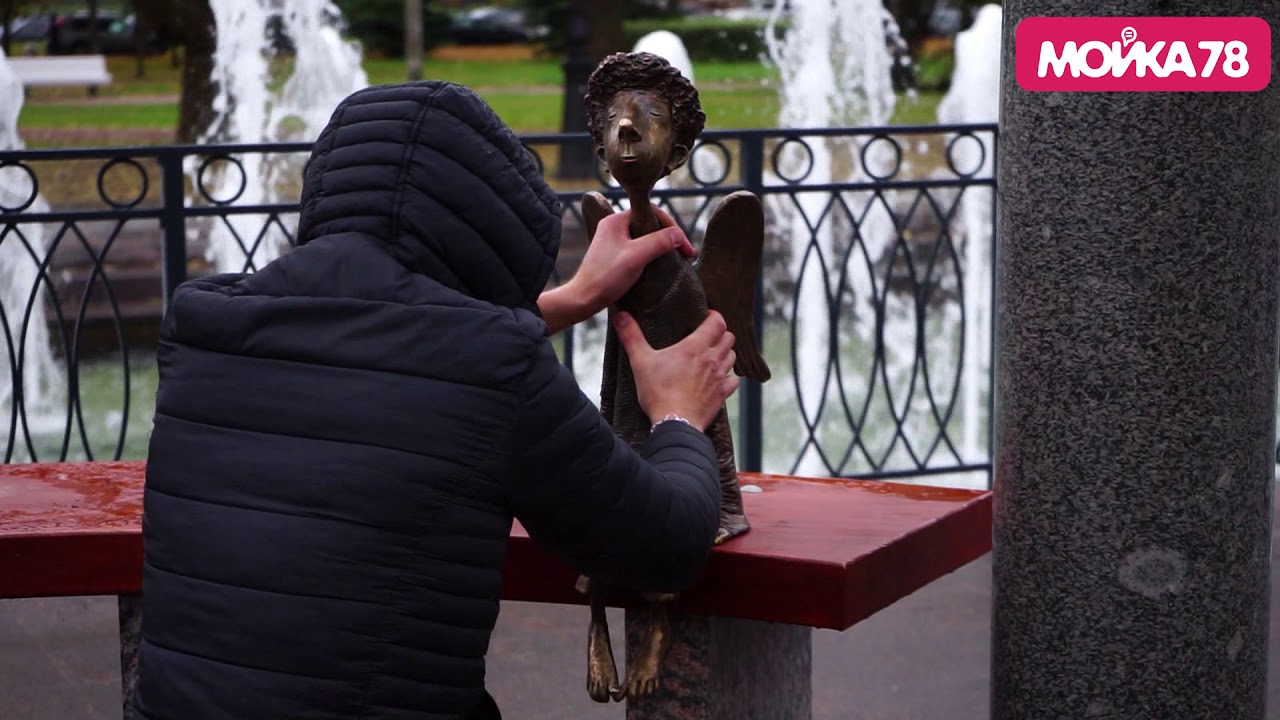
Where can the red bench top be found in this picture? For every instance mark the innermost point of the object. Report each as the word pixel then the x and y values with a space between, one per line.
pixel 823 553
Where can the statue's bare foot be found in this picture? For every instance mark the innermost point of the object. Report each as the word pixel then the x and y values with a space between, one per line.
pixel 602 673
pixel 731 526
pixel 642 677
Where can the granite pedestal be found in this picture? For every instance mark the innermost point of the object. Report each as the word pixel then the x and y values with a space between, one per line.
pixel 728 669
pixel 1137 265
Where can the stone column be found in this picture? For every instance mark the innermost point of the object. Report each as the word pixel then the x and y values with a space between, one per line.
pixel 129 609
pixel 728 669
pixel 1136 361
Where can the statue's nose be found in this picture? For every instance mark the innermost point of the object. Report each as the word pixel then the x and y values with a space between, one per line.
pixel 627 130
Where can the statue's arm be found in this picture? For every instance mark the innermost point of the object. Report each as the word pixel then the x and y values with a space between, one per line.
pixel 643 520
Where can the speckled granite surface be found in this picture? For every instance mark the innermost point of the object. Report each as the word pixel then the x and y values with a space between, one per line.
pixel 1136 367
pixel 129 611
pixel 723 669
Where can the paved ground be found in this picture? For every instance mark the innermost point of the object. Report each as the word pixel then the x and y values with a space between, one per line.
pixel 925 658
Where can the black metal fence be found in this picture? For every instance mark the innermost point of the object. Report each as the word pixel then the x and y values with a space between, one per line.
pixel 874 302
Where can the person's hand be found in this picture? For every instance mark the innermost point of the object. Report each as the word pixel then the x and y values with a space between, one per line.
pixel 614 260
pixel 690 379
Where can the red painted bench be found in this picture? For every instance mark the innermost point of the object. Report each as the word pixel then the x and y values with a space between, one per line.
pixel 821 553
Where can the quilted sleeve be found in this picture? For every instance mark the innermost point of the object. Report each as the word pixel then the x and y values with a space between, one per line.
pixel 641 520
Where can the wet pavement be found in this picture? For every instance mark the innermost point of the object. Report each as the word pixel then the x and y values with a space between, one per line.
pixel 925 658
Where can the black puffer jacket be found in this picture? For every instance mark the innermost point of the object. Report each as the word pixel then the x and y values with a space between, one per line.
pixel 341 440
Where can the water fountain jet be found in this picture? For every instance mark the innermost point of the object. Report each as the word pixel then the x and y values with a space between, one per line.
pixel 31 380
pixel 835 70
pixel 974 97
pixel 323 71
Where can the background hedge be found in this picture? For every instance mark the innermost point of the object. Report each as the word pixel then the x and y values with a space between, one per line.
pixel 708 39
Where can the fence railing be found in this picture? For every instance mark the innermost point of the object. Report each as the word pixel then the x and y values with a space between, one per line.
pixel 875 299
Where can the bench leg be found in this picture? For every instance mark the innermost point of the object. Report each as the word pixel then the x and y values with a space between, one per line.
pixel 728 669
pixel 130 607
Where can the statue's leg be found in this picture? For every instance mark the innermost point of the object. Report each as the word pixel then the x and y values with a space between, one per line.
pixel 602 672
pixel 643 674
pixel 733 517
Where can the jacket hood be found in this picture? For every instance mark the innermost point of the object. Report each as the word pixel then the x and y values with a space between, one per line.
pixel 430 169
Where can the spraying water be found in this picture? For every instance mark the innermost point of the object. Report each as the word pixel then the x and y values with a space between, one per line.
pixel 667 45
pixel 835 71
pixel 11 108
pixel 324 70
pixel 974 97
pixel 28 362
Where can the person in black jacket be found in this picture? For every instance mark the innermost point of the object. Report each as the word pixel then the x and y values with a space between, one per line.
pixel 342 439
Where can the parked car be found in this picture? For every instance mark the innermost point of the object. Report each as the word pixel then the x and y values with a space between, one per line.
pixel 27 29
pixel 947 19
pixel 490 26
pixel 70 35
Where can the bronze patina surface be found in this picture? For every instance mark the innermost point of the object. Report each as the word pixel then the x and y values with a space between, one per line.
pixel 644 117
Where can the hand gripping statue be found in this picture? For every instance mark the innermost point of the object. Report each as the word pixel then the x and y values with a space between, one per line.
pixel 644 117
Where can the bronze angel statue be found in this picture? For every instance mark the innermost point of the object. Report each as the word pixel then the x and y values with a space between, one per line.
pixel 644 117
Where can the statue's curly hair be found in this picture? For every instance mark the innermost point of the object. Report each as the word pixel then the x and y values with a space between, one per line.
pixel 644 71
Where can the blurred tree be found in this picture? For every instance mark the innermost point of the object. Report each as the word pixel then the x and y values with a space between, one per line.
pixel 413 39
pixel 141 38
pixel 606 20
pixel 380 24
pixel 969 8
pixel 188 23
pixel 10 9
pixel 95 45
pixel 604 23
pixel 916 17
pixel 593 30
pixel 913 18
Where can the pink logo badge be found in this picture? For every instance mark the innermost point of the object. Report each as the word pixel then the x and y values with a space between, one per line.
pixel 1143 54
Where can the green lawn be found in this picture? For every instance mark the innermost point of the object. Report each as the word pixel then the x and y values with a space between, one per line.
pixel 525 92
pixel 543 72
pixel 754 107
pixel 922 110
pixel 472 73
pixel 161 77
pixel 36 115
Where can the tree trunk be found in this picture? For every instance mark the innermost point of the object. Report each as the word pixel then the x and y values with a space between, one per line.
pixel 604 17
pixel 913 21
pixel 6 17
pixel 413 39
pixel 140 46
pixel 95 45
pixel 191 25
pixel 195 112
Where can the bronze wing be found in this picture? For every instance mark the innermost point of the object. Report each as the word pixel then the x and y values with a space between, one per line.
pixel 729 268
pixel 594 209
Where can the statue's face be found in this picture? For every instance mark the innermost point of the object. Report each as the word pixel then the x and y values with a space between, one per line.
pixel 638 146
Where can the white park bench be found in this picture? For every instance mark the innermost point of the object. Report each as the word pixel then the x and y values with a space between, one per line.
pixel 61 71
